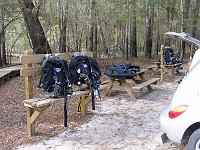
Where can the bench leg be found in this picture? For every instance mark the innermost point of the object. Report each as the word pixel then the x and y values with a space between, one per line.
pixel 30 126
pixel 85 100
pixel 32 116
pixel 149 88
pixel 82 103
pixel 177 71
pixel 128 89
pixel 108 88
pixel 172 72
pixel 167 70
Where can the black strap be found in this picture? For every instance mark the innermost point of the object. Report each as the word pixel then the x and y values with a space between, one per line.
pixel 92 83
pixel 65 110
pixel 65 95
pixel 93 101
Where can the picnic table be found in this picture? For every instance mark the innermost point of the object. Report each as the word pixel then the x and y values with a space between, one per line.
pixel 168 68
pixel 124 84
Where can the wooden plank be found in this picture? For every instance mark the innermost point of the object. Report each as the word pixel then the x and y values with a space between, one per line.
pixel 29 59
pixel 101 87
pixel 29 84
pixel 138 87
pixel 105 82
pixel 162 62
pixel 174 65
pixel 141 72
pixel 32 71
pixel 40 102
pixel 77 93
pixel 118 88
pixel 39 58
pixel 151 67
pixel 157 63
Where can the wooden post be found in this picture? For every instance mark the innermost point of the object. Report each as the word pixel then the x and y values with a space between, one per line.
pixel 162 62
pixel 84 103
pixel 174 49
pixel 29 95
pixel 191 52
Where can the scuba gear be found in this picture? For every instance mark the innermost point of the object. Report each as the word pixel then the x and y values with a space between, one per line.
pixel 54 79
pixel 122 70
pixel 85 73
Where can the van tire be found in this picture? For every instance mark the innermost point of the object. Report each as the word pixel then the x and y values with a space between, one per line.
pixel 194 140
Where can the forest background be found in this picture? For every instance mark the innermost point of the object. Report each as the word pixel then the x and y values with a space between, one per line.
pixel 117 28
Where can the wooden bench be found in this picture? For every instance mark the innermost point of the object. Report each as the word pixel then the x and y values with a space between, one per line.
pixel 139 87
pixel 36 106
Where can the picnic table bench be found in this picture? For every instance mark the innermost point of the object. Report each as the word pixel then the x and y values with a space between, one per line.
pixel 171 69
pixel 35 106
pixel 139 83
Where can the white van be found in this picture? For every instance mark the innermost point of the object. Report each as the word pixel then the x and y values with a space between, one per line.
pixel 181 119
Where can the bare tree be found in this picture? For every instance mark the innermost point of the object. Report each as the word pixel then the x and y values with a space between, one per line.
pixel 34 27
pixel 195 18
pixel 2 41
pixel 125 30
pixel 170 13
pixel 91 44
pixel 185 16
pixel 133 32
pixel 4 25
pixel 63 10
pixel 148 41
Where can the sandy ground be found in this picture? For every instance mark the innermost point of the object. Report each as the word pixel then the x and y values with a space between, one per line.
pixel 118 124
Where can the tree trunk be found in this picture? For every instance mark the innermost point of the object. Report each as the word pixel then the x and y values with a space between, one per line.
pixel 158 37
pixel 126 28
pixel 126 41
pixel 133 33
pixel 91 44
pixel 148 32
pixel 105 47
pixel 170 14
pixel 185 16
pixel 95 42
pixel 2 36
pixel 95 37
pixel 3 50
pixel 63 28
pixel 1 64
pixel 195 18
pixel 30 12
